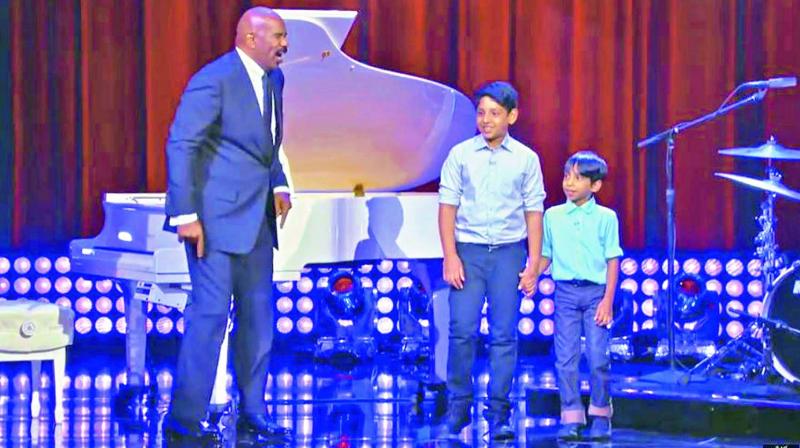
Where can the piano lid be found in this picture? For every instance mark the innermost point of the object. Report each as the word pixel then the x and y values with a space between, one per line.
pixel 348 123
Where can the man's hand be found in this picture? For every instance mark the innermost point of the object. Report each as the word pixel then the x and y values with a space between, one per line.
pixel 454 271
pixel 605 312
pixel 283 203
pixel 528 280
pixel 193 234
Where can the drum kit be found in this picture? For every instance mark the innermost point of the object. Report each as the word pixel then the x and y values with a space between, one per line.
pixel 771 342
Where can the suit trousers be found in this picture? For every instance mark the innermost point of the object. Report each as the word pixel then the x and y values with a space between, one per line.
pixel 215 278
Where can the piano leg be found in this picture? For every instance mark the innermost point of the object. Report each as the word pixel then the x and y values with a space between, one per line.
pixel 433 387
pixel 439 317
pixel 136 335
pixel 131 398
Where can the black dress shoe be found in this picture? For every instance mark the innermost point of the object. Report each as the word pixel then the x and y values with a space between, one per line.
pixel 261 430
pixel 177 435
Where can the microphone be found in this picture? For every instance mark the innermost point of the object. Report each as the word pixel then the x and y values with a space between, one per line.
pixel 773 83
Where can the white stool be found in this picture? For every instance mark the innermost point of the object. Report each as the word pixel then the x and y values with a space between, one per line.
pixel 35 331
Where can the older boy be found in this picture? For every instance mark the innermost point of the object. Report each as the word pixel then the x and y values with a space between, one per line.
pixel 490 215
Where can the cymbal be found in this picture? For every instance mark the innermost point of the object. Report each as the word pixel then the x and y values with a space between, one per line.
pixel 770 150
pixel 767 185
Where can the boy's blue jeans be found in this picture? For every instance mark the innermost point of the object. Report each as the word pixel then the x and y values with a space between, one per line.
pixel 575 310
pixel 491 271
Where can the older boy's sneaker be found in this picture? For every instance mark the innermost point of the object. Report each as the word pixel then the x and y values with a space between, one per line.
pixel 501 430
pixel 569 431
pixel 458 417
pixel 600 429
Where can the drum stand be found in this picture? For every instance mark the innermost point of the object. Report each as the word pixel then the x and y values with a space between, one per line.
pixel 758 360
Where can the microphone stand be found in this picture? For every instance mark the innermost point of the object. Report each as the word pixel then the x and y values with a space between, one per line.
pixel 669 135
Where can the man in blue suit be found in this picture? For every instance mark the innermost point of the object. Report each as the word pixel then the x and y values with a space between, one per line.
pixel 226 189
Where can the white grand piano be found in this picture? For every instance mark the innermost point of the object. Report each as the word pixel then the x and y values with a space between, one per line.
pixel 355 135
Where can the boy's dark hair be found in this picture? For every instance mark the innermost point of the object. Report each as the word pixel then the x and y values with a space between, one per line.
pixel 502 92
pixel 589 165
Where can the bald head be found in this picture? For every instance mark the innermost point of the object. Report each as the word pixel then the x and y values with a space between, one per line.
pixel 261 34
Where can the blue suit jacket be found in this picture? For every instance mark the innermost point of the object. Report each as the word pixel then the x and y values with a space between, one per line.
pixel 218 161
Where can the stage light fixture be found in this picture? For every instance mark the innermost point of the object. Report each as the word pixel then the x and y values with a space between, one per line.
pixel 547 307
pixel 734 328
pixel 755 307
pixel 649 266
pixel 629 266
pixel 526 306
pixel 385 285
pixel 305 325
pixel 755 288
pixel 285 287
pixel 63 285
pixel 104 286
pixel 345 297
pixel 121 325
pixel 754 268
pixel 43 265
pixel 83 305
pixel 22 285
pixel 546 327
pixel 713 267
pixel 305 305
pixel 734 288
pixel 385 325
pixel 630 284
pixel 714 285
pixel 526 326
pixel 284 305
pixel 63 265
pixel 284 325
pixel 83 325
pixel 385 266
pixel 734 308
pixel 103 325
pixel 164 325
pixel 665 265
pixel 83 285
pixel 22 265
pixel 734 267
pixel 692 266
pixel 546 286
pixel 305 285
pixel 650 287
pixel 42 285
pixel 385 305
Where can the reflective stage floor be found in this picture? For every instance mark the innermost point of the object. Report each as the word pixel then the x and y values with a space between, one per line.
pixel 380 405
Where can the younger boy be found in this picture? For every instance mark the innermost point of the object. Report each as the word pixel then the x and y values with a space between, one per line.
pixel 490 217
pixel 581 238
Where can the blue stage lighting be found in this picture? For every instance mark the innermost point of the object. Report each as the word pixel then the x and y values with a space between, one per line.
pixel 345 296
pixel 692 300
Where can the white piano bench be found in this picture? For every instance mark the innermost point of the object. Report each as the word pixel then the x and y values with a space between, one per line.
pixel 35 331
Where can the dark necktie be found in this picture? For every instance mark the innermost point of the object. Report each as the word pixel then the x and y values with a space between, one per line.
pixel 267 85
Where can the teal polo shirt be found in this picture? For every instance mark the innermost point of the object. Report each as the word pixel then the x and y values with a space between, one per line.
pixel 580 240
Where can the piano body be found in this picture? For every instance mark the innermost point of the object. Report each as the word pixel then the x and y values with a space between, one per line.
pixel 349 127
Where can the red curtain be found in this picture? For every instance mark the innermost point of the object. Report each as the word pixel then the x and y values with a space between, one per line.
pixel 95 84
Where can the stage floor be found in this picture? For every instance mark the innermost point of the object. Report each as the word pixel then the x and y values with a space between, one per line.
pixel 372 406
